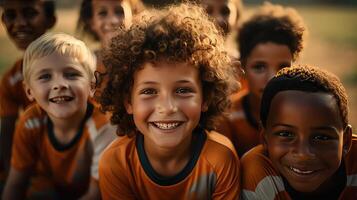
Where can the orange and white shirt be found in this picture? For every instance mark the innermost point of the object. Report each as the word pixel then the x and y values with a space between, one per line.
pixel 67 168
pixel 12 94
pixel 260 180
pixel 239 126
pixel 211 173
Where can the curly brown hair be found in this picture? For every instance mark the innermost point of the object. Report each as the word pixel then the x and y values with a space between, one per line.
pixel 272 23
pixel 177 33
pixel 308 79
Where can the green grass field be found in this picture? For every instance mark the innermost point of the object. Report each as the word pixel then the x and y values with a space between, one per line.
pixel 331 44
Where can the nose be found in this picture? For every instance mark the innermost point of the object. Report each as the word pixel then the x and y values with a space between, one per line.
pixel 59 84
pixel 303 150
pixel 20 21
pixel 166 105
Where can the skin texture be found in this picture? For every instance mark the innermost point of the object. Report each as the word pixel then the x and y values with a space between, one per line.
pixel 166 103
pixel 264 61
pixel 61 86
pixel 223 11
pixel 25 21
pixel 306 140
pixel 108 15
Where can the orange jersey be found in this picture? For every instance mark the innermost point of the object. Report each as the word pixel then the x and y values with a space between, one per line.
pixel 67 168
pixel 211 173
pixel 238 126
pixel 260 180
pixel 12 94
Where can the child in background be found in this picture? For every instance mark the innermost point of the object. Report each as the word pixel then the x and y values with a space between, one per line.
pixel 270 40
pixel 173 78
pixel 59 139
pixel 308 151
pixel 24 20
pixel 101 18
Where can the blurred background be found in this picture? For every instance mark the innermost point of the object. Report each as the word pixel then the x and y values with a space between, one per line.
pixel 331 42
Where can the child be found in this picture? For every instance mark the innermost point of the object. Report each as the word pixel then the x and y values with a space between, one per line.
pixel 308 151
pixel 101 18
pixel 24 21
pixel 168 77
pixel 270 40
pixel 59 139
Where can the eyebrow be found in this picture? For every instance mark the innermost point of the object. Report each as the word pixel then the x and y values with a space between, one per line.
pixel 282 124
pixel 328 128
pixel 154 82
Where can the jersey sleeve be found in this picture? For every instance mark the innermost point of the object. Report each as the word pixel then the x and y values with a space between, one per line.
pixel 260 180
pixel 8 105
pixel 113 181
pixel 228 184
pixel 24 152
pixel 101 139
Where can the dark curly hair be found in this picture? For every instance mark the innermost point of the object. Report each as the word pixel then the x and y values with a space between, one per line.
pixel 86 14
pixel 178 33
pixel 272 23
pixel 307 79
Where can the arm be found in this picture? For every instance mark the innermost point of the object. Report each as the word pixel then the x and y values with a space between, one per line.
pixel 16 183
pixel 7 125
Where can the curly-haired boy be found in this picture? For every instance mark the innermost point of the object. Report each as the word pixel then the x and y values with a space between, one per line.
pixel 169 76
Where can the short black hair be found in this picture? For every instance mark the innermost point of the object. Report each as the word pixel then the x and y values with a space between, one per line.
pixel 307 79
pixel 272 23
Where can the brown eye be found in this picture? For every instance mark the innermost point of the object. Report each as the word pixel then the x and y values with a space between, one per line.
pixel 225 11
pixel 29 12
pixel 9 15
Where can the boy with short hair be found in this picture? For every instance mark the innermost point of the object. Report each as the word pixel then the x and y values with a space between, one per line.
pixel 24 20
pixel 270 40
pixel 173 78
pixel 58 139
pixel 308 151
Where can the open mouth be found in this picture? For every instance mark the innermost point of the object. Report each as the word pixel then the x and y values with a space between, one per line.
pixel 166 125
pixel 61 99
pixel 301 171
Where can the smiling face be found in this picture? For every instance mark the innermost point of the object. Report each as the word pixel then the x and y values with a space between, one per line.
pixel 305 138
pixel 60 85
pixel 108 15
pixel 264 61
pixel 223 11
pixel 25 21
pixel 166 103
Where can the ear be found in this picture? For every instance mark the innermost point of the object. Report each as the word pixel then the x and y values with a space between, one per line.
pixel 28 92
pixel 128 106
pixel 347 139
pixel 204 106
pixel 263 138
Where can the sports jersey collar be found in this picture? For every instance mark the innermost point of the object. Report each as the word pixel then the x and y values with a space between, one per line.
pixel 198 143
pixel 62 147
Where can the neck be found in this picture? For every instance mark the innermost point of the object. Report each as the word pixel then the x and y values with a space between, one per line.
pixel 169 161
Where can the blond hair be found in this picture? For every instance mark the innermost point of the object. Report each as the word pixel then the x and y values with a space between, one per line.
pixel 63 44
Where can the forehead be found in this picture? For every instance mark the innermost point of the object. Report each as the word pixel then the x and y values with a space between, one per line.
pixel 7 4
pixel 299 108
pixel 55 61
pixel 166 71
pixel 271 50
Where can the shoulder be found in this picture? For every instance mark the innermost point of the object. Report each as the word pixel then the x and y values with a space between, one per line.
pixel 219 151
pixel 33 118
pixel 259 177
pixel 118 152
pixel 14 74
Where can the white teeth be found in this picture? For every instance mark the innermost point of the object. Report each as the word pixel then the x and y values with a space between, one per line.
pixel 61 99
pixel 301 171
pixel 166 126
